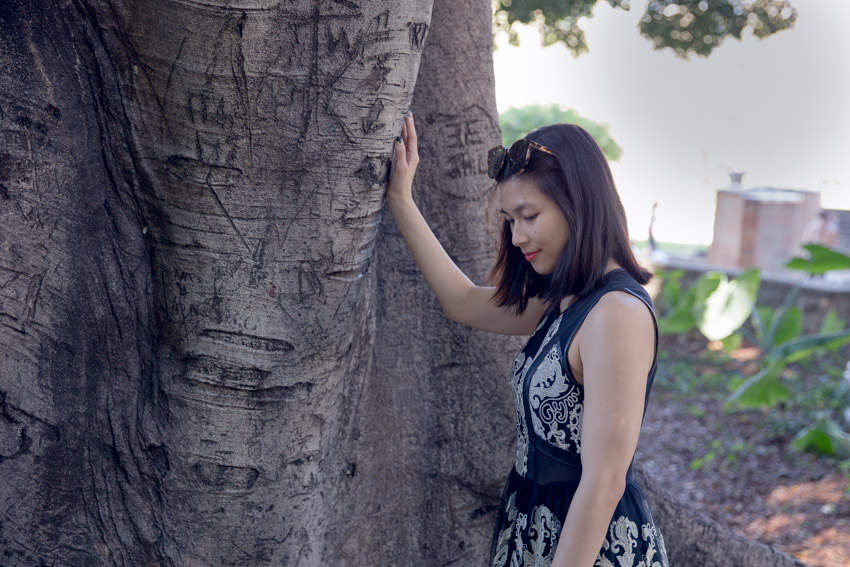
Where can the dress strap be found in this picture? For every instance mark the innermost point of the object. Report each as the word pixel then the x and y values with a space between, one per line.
pixel 615 280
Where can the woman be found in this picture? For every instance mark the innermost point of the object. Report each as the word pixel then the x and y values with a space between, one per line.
pixel 565 275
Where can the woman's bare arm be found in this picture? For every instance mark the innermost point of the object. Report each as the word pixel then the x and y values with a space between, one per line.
pixel 462 301
pixel 616 345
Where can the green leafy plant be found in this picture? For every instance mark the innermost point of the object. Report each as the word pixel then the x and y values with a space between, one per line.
pixel 719 308
pixel 700 462
pixel 714 304
pixel 517 122
pixel 825 436
pixel 820 260
pixel 778 334
pixel 675 305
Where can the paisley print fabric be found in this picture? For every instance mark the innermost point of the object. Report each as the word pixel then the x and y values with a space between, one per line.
pixel 553 328
pixel 534 541
pixel 540 488
pixel 623 539
pixel 521 365
pixel 520 369
pixel 555 407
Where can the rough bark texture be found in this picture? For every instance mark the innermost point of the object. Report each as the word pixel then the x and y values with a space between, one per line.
pixel 79 467
pixel 450 424
pixel 214 351
pixel 191 194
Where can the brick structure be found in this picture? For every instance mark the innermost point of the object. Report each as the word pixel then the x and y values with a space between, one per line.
pixel 760 228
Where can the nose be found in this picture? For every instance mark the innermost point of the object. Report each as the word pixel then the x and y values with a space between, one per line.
pixel 518 236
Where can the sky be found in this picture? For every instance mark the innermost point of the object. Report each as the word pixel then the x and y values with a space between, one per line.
pixel 777 109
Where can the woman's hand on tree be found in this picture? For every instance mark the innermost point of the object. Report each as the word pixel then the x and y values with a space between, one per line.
pixel 405 158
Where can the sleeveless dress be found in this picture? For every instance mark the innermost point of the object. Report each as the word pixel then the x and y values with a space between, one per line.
pixel 542 483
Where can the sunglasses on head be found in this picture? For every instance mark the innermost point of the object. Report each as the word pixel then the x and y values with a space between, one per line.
pixel 514 159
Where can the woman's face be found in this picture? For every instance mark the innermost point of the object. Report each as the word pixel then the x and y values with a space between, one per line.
pixel 538 226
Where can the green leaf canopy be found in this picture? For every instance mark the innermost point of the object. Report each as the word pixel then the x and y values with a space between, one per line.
pixel 685 26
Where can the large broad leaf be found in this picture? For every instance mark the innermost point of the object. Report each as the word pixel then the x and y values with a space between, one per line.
pixel 732 342
pixel 671 288
pixel 701 290
pixel 761 319
pixel 820 260
pixel 681 320
pixel 825 437
pixel 831 323
pixel 814 440
pixel 789 327
pixel 705 286
pixel 778 319
pixel 728 306
pixel 798 349
pixel 760 390
pixel 678 322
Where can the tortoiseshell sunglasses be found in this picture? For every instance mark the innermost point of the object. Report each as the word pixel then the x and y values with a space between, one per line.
pixel 516 158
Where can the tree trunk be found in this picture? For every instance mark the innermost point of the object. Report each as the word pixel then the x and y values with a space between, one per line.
pixel 443 388
pixel 191 195
pixel 215 350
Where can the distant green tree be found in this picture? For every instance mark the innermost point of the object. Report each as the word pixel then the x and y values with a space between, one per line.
pixel 517 122
pixel 685 26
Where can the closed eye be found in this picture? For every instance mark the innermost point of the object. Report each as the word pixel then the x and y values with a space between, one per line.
pixel 529 218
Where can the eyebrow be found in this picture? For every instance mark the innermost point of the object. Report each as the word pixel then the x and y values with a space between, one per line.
pixel 519 208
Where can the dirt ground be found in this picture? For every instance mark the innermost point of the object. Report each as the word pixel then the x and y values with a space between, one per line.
pixel 737 465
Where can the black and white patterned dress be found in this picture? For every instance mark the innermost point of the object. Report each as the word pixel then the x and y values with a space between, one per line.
pixel 540 487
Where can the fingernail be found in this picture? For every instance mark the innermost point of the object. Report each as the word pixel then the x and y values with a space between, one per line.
pixel 410 113
pixel 398 140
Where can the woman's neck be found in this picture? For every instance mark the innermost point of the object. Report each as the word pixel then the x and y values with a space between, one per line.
pixel 568 300
pixel 612 265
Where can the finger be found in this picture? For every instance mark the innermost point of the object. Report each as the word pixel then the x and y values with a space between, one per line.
pixel 405 135
pixel 405 128
pixel 399 153
pixel 411 142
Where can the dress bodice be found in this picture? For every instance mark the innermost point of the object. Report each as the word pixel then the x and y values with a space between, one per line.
pixel 540 488
pixel 549 400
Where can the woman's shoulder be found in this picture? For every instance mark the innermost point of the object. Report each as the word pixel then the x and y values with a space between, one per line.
pixel 618 302
pixel 619 309
pixel 621 280
pixel 619 323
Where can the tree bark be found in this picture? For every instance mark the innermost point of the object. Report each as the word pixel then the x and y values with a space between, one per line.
pixel 191 193
pixel 76 311
pixel 215 350
pixel 443 387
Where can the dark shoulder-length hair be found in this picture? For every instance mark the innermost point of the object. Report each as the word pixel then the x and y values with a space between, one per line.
pixel 577 178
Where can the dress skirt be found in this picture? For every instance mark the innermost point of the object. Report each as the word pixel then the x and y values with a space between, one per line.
pixel 532 514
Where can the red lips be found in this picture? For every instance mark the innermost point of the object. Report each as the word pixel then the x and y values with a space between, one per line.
pixel 530 256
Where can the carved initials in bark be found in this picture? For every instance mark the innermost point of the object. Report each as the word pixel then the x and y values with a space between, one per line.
pixel 191 325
